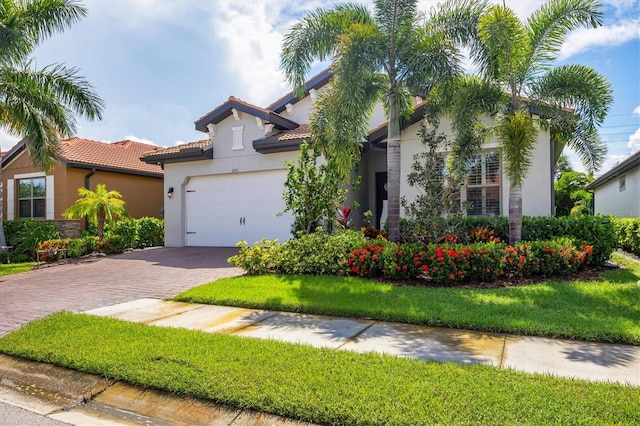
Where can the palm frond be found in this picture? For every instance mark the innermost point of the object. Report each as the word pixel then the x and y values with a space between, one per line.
pixel 580 88
pixel 316 37
pixel 549 25
pixel 459 19
pixel 517 135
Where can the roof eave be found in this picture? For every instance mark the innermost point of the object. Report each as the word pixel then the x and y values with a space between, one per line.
pixel 628 164
pixel 273 144
pixel 224 111
pixel 96 167
pixel 189 154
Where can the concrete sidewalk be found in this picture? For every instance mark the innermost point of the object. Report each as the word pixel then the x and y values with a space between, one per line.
pixel 565 358
pixel 81 399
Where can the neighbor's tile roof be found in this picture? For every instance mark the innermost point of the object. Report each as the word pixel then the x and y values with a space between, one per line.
pixel 123 155
pixel 176 149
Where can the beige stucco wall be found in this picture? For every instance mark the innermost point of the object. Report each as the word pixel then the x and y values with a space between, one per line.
pixel 142 194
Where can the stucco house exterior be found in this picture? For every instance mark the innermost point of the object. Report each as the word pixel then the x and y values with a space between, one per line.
pixel 228 187
pixel 617 191
pixel 31 193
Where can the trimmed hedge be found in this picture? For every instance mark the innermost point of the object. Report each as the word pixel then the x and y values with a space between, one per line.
pixel 597 231
pixel 628 231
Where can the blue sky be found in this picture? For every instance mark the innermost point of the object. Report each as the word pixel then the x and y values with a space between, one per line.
pixel 162 64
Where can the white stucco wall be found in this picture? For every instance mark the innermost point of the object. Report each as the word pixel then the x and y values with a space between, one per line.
pixel 225 161
pixel 536 189
pixel 609 200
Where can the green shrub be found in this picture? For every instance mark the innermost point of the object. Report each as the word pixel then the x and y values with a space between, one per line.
pixel 628 232
pixel 450 264
pixel 150 232
pixel 25 234
pixel 113 244
pixel 319 253
pixel 597 231
pixel 82 246
pixel 258 259
pixel 126 229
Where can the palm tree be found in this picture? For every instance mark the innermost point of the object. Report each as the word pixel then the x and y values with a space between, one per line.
pixel 517 58
pixel 383 57
pixel 39 104
pixel 100 206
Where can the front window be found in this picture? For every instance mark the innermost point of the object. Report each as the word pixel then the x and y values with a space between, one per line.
pixel 31 198
pixel 482 192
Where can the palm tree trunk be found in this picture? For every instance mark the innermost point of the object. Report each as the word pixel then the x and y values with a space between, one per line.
pixel 3 238
pixel 393 167
pixel 515 215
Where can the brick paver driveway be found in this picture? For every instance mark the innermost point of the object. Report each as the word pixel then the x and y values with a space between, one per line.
pixel 157 272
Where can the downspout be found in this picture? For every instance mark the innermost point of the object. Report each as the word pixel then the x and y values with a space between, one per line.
pixel 87 179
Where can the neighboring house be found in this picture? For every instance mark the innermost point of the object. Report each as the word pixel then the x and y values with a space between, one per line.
pixel 229 187
pixel 617 191
pixel 30 193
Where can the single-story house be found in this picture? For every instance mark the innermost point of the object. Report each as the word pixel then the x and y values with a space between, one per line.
pixel 617 191
pixel 229 187
pixel 31 193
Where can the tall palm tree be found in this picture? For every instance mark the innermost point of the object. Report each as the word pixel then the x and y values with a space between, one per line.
pixel 517 58
pixel 385 56
pixel 39 104
pixel 100 206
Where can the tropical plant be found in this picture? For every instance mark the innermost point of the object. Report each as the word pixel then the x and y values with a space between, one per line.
pixel 566 189
pixel 312 192
pixel 385 56
pixel 436 211
pixel 38 104
pixel 99 206
pixel 569 101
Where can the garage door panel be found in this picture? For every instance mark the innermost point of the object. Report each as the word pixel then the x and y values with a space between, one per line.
pixel 221 210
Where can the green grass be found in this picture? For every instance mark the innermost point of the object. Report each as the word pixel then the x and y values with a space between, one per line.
pixel 318 385
pixel 604 310
pixel 15 268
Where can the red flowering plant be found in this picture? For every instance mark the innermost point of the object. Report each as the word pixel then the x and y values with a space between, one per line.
pixel 446 265
pixel 52 250
pixel 367 261
pixel 517 261
pixel 484 261
pixel 403 262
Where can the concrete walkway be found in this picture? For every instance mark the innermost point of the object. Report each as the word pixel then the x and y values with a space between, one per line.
pixel 565 358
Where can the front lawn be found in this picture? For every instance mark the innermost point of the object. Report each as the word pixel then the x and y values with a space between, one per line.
pixel 15 268
pixel 317 385
pixel 604 310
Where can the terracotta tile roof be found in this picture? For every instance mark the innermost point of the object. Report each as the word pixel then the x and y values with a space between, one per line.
pixel 123 155
pixel 176 149
pixel 301 132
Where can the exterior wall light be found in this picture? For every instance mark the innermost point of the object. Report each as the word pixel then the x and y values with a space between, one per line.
pixel 170 192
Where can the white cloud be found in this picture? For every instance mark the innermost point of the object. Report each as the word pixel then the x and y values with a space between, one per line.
pixel 7 141
pixel 252 47
pixel 141 140
pixel 634 141
pixel 612 161
pixel 636 111
pixel 584 39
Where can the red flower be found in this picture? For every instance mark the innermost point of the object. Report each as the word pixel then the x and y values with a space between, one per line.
pixel 451 276
pixel 425 267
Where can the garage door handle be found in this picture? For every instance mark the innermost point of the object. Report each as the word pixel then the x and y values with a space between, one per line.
pixel 242 221
pixel 189 233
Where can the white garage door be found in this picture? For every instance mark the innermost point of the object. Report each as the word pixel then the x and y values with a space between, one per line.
pixel 221 210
